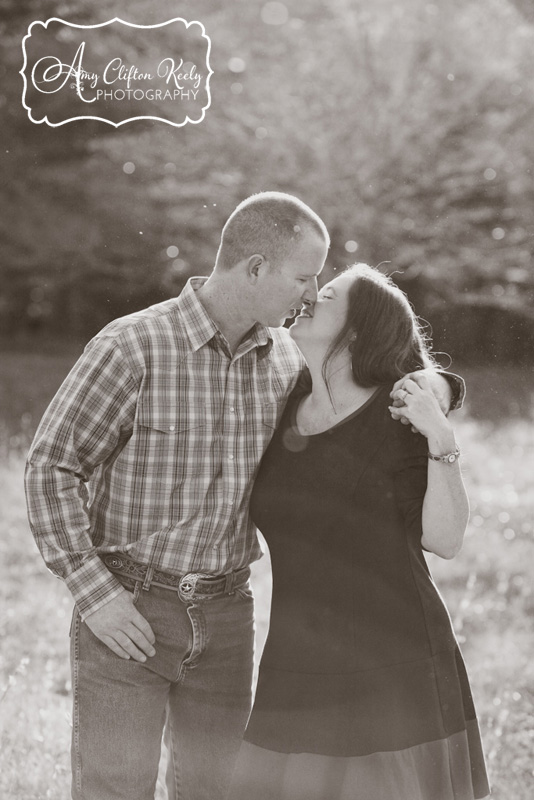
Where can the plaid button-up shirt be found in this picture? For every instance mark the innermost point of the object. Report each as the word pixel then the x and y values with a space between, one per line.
pixel 151 445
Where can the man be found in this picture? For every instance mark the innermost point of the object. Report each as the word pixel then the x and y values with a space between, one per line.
pixel 138 484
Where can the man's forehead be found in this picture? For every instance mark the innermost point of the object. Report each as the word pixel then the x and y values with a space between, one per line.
pixel 310 270
pixel 304 271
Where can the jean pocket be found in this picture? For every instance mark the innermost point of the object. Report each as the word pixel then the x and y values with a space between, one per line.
pixel 245 592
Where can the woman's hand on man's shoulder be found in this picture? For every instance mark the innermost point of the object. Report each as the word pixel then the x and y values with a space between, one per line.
pixel 421 400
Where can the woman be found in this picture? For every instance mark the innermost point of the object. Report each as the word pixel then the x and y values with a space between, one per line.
pixel 362 692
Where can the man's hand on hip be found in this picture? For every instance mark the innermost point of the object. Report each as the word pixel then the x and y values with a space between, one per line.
pixel 121 627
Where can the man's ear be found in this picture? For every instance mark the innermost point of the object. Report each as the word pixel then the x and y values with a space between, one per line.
pixel 255 265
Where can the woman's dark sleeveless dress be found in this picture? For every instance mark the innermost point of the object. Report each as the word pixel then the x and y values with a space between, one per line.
pixel 362 692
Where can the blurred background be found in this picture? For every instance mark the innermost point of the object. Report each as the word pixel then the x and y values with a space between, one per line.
pixel 409 127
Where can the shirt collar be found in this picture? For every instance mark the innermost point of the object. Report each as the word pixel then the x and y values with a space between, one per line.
pixel 200 326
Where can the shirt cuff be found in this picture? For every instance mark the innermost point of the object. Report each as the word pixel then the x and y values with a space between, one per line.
pixel 457 384
pixel 92 586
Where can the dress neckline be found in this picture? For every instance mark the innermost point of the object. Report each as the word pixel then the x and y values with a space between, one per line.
pixel 339 423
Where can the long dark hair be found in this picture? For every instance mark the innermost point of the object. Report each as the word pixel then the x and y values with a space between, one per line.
pixel 386 337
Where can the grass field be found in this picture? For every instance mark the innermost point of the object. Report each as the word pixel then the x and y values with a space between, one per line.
pixel 489 589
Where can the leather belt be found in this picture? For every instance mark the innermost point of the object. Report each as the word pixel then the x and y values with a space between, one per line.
pixel 193 586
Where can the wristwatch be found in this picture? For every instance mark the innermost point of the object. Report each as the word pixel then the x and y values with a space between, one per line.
pixel 447 458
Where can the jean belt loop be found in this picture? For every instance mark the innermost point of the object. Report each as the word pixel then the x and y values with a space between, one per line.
pixel 229 586
pixel 148 579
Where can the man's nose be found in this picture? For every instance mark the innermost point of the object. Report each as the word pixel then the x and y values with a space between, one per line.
pixel 311 293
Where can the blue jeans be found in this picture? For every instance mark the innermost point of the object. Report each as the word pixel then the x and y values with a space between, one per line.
pixel 198 683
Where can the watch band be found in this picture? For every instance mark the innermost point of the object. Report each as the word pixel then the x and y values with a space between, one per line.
pixel 446 458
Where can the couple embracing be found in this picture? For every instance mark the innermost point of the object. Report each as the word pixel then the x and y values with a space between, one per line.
pixel 145 489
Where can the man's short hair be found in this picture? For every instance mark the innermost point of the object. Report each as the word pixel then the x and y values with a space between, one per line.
pixel 269 223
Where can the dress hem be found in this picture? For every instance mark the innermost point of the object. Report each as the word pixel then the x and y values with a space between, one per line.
pixel 444 769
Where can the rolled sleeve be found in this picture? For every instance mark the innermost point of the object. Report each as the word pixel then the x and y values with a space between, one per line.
pixel 457 385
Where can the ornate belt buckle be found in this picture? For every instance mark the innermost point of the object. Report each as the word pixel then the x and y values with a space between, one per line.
pixel 188 585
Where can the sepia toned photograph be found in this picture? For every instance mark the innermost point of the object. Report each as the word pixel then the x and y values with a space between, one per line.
pixel 267 400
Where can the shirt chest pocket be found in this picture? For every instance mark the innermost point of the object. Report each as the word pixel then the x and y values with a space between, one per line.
pixel 172 445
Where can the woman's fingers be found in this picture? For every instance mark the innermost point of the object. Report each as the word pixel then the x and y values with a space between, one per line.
pixel 421 379
pixel 411 386
pixel 396 386
pixel 398 414
pixel 405 388
pixel 418 377
pixel 399 396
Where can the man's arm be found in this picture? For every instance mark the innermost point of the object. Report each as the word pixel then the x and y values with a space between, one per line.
pixel 89 420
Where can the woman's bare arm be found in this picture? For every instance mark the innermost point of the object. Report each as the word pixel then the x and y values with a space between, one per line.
pixel 445 506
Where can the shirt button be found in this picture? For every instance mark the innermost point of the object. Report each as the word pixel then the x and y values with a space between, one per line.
pixel 171 427
pixel 232 409
pixel 230 502
pixel 231 457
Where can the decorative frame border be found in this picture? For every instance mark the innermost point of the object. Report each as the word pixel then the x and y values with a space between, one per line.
pixel 101 25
